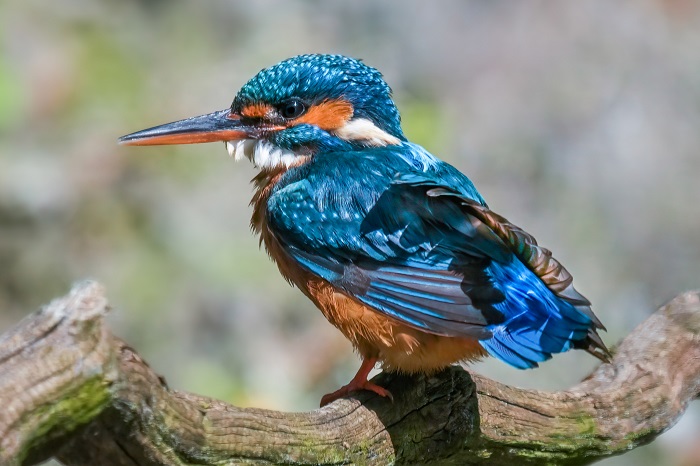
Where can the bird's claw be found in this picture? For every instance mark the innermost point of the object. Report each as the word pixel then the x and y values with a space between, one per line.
pixel 355 387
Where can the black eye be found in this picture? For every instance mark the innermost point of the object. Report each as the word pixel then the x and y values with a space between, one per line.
pixel 292 109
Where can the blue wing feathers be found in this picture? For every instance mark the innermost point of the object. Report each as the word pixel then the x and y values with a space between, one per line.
pixel 428 294
pixel 537 325
pixel 422 247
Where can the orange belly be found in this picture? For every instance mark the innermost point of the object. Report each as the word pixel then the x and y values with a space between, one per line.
pixel 398 347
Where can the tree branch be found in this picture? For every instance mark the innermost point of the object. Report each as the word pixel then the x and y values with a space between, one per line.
pixel 70 389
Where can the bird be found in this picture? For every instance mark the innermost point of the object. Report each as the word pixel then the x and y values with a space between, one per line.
pixel 396 247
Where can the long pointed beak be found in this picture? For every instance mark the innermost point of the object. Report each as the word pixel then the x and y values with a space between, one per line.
pixel 217 126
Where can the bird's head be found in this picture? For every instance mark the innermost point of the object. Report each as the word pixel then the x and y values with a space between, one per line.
pixel 295 108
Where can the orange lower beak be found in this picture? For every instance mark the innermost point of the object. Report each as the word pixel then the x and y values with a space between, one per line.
pixel 217 126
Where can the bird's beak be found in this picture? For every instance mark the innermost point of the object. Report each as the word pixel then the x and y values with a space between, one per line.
pixel 218 126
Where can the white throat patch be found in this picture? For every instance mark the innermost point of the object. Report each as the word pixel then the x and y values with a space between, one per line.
pixel 262 153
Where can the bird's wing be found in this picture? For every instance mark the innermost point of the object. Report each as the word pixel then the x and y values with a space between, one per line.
pixel 390 252
pixel 433 258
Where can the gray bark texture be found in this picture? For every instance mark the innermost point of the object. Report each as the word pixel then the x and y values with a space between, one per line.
pixel 69 389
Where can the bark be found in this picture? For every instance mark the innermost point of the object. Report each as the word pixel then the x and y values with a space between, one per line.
pixel 69 389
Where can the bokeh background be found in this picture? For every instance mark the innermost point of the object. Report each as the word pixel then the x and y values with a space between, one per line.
pixel 579 121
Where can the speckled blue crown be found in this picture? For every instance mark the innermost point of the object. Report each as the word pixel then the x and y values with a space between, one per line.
pixel 325 77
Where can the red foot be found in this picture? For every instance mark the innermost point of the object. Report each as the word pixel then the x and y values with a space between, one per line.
pixel 359 382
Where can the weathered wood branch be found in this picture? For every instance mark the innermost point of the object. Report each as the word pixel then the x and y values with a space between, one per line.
pixel 71 390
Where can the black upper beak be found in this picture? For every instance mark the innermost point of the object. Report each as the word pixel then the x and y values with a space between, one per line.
pixel 217 126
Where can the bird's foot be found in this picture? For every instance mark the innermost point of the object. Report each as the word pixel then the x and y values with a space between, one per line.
pixel 355 387
pixel 359 382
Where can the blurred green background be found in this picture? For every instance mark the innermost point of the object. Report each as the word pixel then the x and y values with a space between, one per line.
pixel 579 121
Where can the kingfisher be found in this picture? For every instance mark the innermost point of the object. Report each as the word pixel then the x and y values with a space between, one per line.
pixel 396 247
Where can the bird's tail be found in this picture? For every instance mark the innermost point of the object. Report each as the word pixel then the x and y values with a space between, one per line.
pixel 544 312
pixel 537 322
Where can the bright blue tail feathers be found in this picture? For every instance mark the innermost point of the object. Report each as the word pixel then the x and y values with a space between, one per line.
pixel 537 323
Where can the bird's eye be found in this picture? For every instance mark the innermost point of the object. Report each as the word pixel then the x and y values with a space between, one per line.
pixel 292 109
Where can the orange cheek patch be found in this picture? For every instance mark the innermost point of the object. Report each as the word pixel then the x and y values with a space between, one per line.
pixel 328 115
pixel 257 110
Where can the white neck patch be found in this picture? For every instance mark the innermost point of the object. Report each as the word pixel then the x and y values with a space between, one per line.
pixel 363 130
pixel 262 153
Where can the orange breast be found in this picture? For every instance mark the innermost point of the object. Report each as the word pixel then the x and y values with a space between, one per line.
pixel 399 347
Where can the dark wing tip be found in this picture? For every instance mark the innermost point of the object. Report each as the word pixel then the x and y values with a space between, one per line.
pixel 537 258
pixel 594 346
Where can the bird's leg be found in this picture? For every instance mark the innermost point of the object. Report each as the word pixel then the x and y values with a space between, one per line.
pixel 359 382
